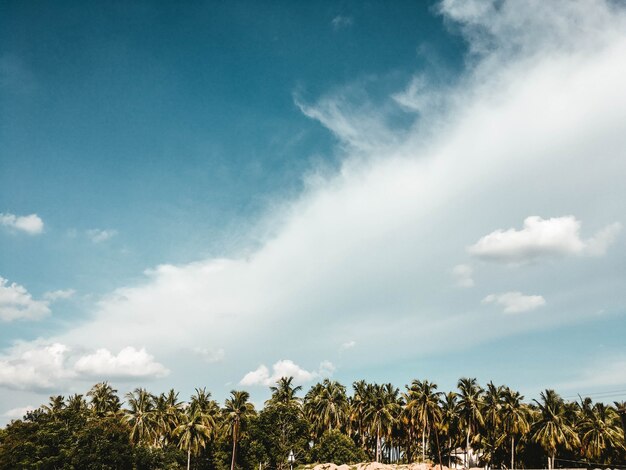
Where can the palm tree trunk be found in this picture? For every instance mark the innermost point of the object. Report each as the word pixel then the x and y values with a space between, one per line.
pixel 449 452
pixel 232 462
pixel 512 452
pixel 189 458
pixel 423 444
pixel 378 443
pixel 467 448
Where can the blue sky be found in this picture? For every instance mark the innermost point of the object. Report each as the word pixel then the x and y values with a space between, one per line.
pixel 226 192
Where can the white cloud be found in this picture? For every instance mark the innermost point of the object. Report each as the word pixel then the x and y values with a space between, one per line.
pixel 128 363
pixel 340 22
pixel 39 366
pixel 462 273
pixel 30 224
pixel 210 355
pixel 285 368
pixel 515 302
pixel 36 367
pixel 97 235
pixel 18 413
pixel 539 238
pixel 347 345
pixel 16 303
pixel 62 294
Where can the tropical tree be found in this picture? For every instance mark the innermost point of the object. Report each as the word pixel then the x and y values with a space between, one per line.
pixel 470 408
pixel 237 410
pixel 381 412
pixel 552 429
pixel 600 430
pixel 140 415
pixel 328 405
pixel 193 432
pixel 284 393
pixel 450 422
pixel 422 405
pixel 515 418
pixel 103 399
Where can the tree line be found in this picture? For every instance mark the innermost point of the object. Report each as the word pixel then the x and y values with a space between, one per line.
pixel 490 426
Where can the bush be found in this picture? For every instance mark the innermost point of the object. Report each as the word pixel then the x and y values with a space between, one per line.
pixel 337 448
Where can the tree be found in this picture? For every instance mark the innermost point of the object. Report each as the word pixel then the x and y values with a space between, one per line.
pixel 381 412
pixel 140 415
pixel 470 407
pixel 237 410
pixel 284 393
pixel 336 447
pixel 422 405
pixel 104 399
pixel 515 418
pixel 600 431
pixel 552 428
pixel 326 405
pixel 193 432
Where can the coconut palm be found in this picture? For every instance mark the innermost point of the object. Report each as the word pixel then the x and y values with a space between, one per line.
pixel 599 430
pixel 470 407
pixel 514 417
pixel 357 406
pixel 326 405
pixel 284 393
pixel 422 405
pixel 193 432
pixel 140 415
pixel 450 422
pixel 381 412
pixel 552 429
pixel 237 410
pixel 103 399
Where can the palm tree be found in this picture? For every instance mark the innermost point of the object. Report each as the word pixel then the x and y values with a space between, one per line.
pixel 140 415
pixel 422 404
pixel 237 409
pixel 284 393
pixel 357 406
pixel 599 430
pixel 104 399
pixel 326 405
pixel 194 431
pixel 450 420
pixel 470 407
pixel 552 427
pixel 515 418
pixel 381 412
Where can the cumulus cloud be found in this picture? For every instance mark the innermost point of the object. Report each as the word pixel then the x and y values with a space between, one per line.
pixel 30 224
pixel 515 302
pixel 462 273
pixel 285 368
pixel 39 366
pixel 539 238
pixel 16 303
pixel 97 235
pixel 128 363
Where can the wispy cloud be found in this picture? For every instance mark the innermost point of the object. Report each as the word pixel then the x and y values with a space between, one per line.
pixel 98 235
pixel 515 302
pixel 30 224
pixel 341 22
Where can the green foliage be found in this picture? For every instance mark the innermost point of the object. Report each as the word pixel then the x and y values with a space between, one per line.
pixel 336 447
pixel 161 432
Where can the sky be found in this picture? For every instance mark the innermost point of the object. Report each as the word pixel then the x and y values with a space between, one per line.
pixel 222 193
